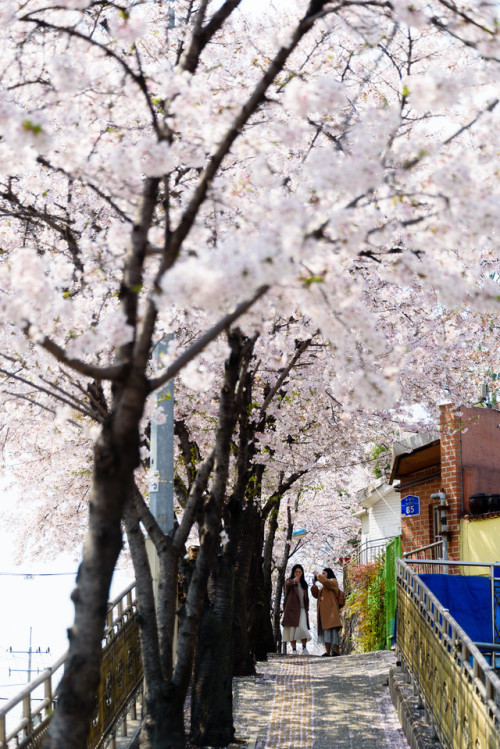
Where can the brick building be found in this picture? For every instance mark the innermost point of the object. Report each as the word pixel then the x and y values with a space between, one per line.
pixel 461 460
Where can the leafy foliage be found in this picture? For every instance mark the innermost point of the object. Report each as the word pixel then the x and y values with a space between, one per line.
pixel 367 600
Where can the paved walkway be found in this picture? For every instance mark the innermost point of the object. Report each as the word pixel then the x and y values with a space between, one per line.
pixel 309 702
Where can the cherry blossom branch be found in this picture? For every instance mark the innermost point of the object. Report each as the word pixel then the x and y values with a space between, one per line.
pixel 194 502
pixel 461 130
pixel 65 398
pixel 139 80
pixel 59 170
pixel 282 489
pixel 135 258
pixel 113 372
pixel 59 224
pixel 73 401
pixel 203 34
pixel 298 353
pixel 253 103
pixel 94 392
pixel 464 16
pixel 198 346
pixel 149 521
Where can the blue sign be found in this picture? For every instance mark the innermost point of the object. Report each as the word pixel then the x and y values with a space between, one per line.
pixel 410 505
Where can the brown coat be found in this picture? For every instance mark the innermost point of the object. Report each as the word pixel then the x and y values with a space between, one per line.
pixel 328 604
pixel 291 614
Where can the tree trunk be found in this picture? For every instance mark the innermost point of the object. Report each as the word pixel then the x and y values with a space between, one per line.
pixel 115 458
pixel 267 564
pixel 260 633
pixel 212 702
pixel 243 661
pixel 280 582
pixel 212 695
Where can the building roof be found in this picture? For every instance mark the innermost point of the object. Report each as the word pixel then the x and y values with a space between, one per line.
pixel 414 454
pixel 373 493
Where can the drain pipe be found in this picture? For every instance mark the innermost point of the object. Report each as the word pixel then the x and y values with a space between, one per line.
pixel 443 524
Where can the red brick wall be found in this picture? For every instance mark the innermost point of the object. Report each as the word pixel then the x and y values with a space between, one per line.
pixel 470 462
pixel 416 530
pixel 451 473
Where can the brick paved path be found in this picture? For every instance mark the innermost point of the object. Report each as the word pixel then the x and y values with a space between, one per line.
pixel 301 702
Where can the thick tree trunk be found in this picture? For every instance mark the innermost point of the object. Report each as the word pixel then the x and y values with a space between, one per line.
pixel 114 460
pixel 243 660
pixel 212 695
pixel 260 632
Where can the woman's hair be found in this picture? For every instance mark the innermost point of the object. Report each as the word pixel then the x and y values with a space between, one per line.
pixel 329 572
pixel 303 581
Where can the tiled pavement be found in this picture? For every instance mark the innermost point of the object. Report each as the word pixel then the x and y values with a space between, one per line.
pixel 308 702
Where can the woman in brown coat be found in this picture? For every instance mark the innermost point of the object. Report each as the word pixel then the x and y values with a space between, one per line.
pixel 329 624
pixel 296 614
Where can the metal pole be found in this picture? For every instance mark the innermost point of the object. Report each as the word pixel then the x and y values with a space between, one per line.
pixel 171 14
pixel 161 483
pixel 29 656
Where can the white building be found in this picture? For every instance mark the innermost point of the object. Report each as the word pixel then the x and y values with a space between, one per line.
pixel 380 515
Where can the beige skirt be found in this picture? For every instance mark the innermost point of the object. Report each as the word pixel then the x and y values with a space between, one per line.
pixel 291 634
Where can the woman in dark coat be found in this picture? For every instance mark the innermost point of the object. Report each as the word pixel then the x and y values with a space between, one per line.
pixel 329 623
pixel 296 614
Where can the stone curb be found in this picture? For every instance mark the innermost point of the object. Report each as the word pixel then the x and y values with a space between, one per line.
pixel 419 734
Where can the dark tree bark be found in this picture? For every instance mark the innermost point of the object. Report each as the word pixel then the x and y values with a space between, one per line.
pixel 116 455
pixel 260 633
pixel 243 661
pixel 212 695
pixel 280 582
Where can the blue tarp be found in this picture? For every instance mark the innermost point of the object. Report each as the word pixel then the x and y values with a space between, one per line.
pixel 468 600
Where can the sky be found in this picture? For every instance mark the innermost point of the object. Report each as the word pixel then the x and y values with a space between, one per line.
pixel 36 596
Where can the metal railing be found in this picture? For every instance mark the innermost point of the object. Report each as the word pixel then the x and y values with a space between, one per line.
pixel 459 689
pixel 369 551
pixel 30 711
pixel 431 551
pixel 25 719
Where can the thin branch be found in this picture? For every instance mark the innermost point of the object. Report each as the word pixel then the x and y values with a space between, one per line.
pixel 78 407
pixel 40 405
pixel 205 339
pixel 246 112
pixel 58 170
pixel 203 34
pixel 194 502
pixel 298 353
pixel 138 79
pixel 113 372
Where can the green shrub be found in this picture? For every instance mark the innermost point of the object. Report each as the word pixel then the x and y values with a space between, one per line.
pixel 367 602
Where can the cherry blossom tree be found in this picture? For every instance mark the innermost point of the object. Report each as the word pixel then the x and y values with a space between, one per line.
pixel 155 173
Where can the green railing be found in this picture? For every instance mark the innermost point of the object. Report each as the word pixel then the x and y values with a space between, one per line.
pixel 459 690
pixel 392 552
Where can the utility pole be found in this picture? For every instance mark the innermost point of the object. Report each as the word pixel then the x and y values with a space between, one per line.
pixel 161 482
pixel 161 478
pixel 29 653
pixel 171 14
